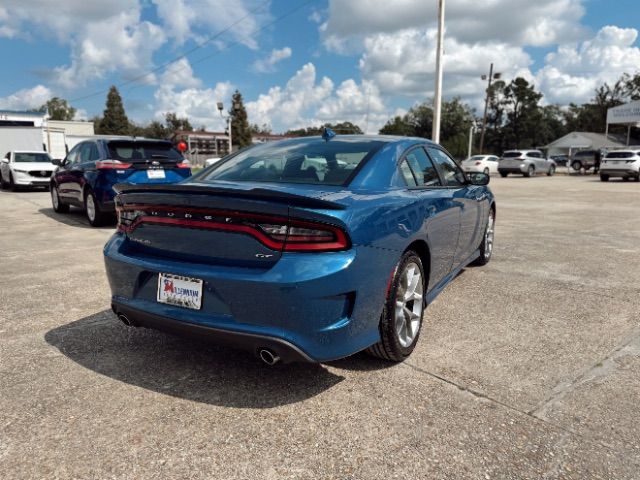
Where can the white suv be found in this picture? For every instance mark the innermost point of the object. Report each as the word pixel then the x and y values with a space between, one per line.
pixel 621 163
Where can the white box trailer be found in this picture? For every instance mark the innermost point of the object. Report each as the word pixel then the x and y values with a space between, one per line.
pixel 55 142
pixel 21 138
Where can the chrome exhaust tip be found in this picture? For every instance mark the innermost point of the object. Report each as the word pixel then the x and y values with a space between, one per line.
pixel 124 319
pixel 268 357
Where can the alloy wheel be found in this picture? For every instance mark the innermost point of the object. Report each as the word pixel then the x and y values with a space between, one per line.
pixel 488 236
pixel 54 198
pixel 409 305
pixel 90 207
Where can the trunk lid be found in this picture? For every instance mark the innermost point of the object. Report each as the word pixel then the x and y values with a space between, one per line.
pixel 235 225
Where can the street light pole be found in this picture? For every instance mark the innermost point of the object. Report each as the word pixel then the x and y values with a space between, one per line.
pixel 486 106
pixel 437 100
pixel 471 130
pixel 228 119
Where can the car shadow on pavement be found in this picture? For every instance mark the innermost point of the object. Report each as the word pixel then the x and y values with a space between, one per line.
pixel 75 218
pixel 185 368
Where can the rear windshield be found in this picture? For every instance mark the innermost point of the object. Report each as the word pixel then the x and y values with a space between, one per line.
pixel 620 155
pixel 477 157
pixel 131 151
pixel 31 157
pixel 311 160
pixel 511 154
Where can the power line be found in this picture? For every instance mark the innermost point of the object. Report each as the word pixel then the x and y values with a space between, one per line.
pixel 179 57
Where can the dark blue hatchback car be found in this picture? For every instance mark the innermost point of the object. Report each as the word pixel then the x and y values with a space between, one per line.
pixel 85 178
pixel 307 249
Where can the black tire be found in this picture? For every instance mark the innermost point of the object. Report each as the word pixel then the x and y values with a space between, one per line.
pixel 637 179
pixel 486 247
pixel 531 171
pixel 577 165
pixel 59 206
pixel 3 184
pixel 552 170
pixel 625 179
pixel 99 217
pixel 11 186
pixel 604 177
pixel 503 174
pixel 389 346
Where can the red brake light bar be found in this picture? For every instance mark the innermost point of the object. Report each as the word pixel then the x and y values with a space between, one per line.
pixel 276 233
pixel 112 165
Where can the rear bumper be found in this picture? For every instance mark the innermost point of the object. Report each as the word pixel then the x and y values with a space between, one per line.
pixel 325 305
pixel 619 172
pixel 512 170
pixel 245 341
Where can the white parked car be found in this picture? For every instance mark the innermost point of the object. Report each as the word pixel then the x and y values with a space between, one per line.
pixel 481 163
pixel 210 161
pixel 25 169
pixel 621 163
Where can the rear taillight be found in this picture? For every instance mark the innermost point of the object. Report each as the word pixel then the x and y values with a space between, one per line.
pixel 184 164
pixel 112 165
pixel 277 233
pixel 478 163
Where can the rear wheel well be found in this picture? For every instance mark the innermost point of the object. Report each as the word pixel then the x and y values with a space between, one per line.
pixel 422 250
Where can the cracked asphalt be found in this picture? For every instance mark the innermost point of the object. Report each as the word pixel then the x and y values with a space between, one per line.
pixel 527 368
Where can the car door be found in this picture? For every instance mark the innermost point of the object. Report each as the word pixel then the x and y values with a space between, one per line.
pixel 65 175
pixel 540 161
pixel 470 198
pixel 441 212
pixel 493 164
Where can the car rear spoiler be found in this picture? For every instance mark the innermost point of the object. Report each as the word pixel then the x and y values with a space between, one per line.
pixel 126 189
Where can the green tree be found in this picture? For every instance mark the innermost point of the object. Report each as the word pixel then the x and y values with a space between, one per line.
pixel 59 109
pixel 256 129
pixel 341 128
pixel 521 101
pixel 175 123
pixel 114 119
pixel 241 132
pixel 398 125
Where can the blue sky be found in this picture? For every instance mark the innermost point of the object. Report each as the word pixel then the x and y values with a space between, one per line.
pixel 328 60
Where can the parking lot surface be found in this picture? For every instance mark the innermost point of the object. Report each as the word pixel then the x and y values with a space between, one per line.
pixel 526 368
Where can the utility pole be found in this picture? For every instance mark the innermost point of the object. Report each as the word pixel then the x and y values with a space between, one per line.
pixel 437 100
pixel 486 104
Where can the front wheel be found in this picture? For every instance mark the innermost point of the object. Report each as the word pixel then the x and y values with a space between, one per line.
pixel 503 174
pixel 486 171
pixel 604 178
pixel 92 208
pixel 401 318
pixel 530 171
pixel 486 247
pixel 577 166
pixel 57 204
pixel 551 171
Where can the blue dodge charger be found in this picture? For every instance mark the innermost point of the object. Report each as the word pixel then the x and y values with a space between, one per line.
pixel 307 249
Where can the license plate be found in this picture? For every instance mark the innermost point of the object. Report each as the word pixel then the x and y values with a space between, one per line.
pixel 180 291
pixel 156 173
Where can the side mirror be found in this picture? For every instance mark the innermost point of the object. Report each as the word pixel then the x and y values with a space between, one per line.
pixel 4 160
pixel 478 178
pixel 57 162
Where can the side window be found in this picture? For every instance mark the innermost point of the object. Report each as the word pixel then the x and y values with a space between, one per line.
pixel 72 156
pixel 407 174
pixel 85 152
pixel 93 153
pixel 451 173
pixel 423 170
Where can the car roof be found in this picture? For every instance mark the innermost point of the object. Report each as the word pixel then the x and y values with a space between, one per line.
pixel 28 151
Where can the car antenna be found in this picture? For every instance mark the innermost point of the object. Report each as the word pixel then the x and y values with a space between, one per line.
pixel 328 134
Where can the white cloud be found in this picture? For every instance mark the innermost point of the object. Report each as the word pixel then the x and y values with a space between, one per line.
pixel 267 65
pixel 180 74
pixel 26 98
pixel 403 63
pixel 119 43
pixel 539 23
pixel 197 104
pixel 307 100
pixel 184 18
pixel 59 19
pixel 573 72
